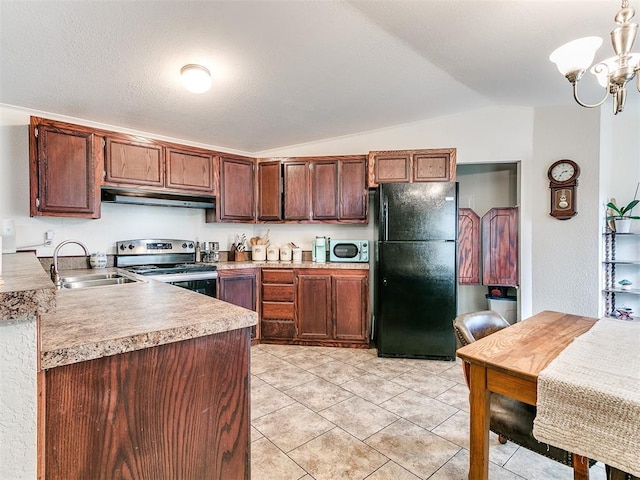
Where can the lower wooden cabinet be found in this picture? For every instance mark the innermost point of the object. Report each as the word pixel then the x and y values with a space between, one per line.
pixel 332 307
pixel 349 302
pixel 313 298
pixel 240 288
pixel 175 411
pixel 304 306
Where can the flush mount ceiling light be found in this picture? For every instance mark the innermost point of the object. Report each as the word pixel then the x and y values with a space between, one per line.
pixel 574 58
pixel 195 78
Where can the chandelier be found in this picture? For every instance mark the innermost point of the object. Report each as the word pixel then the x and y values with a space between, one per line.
pixel 574 58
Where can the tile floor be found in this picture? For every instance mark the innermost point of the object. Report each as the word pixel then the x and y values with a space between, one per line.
pixel 334 413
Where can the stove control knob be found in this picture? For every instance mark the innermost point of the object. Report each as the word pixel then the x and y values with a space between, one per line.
pixel 131 247
pixel 121 247
pixel 184 245
pixel 191 245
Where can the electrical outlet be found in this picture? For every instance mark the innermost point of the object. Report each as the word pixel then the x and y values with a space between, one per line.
pixel 49 235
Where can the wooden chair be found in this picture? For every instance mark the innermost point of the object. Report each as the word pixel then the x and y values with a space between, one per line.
pixel 510 419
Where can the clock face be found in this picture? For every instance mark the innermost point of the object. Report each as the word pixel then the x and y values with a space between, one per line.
pixel 562 172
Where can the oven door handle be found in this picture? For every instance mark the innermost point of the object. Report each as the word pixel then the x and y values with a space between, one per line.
pixel 183 277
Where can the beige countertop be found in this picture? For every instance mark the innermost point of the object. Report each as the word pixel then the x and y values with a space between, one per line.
pixel 96 322
pixel 327 265
pixel 27 289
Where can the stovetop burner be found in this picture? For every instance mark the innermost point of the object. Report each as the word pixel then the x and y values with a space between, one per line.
pixel 166 259
pixel 166 270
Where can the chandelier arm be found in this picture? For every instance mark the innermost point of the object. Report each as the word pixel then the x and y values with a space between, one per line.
pixel 586 105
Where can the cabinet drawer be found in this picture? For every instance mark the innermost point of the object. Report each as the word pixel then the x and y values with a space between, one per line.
pixel 277 276
pixel 277 293
pixel 282 310
pixel 280 329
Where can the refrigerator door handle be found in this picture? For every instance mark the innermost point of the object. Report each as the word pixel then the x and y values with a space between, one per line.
pixel 385 219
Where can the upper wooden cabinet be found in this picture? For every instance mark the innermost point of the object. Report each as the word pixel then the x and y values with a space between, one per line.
pixel 326 189
pixel 65 167
pixel 133 162
pixel 296 190
pixel 236 202
pixel 353 194
pixel 269 191
pixel 500 247
pixel 136 162
pixel 403 166
pixel 190 170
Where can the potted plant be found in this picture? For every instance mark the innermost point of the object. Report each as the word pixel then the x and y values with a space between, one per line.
pixel 623 217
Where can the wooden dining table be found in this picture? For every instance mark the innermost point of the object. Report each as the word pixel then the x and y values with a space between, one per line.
pixel 508 362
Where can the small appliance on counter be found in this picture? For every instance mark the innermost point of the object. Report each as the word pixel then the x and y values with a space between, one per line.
pixel 349 251
pixel 319 250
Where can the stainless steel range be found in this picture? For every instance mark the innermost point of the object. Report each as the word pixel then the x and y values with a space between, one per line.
pixel 169 261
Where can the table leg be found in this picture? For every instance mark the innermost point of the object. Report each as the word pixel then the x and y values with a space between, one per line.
pixel 580 467
pixel 479 440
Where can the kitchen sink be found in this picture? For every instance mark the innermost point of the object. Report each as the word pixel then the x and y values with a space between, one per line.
pixel 97 280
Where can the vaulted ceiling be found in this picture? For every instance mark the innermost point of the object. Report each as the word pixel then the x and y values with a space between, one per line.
pixel 287 72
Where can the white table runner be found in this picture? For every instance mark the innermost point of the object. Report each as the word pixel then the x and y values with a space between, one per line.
pixel 589 396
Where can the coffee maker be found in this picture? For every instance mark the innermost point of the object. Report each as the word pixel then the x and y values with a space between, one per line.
pixel 319 250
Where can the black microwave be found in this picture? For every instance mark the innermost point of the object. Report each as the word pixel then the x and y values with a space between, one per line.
pixel 349 251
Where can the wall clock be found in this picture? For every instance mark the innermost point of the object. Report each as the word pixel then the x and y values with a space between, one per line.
pixel 563 182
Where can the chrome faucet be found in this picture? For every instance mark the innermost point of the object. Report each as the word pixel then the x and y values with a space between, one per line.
pixel 55 276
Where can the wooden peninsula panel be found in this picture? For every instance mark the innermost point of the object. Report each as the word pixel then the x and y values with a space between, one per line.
pixel 179 410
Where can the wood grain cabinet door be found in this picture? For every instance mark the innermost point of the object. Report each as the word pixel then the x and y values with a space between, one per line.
pixel 236 199
pixel 238 287
pixel 65 170
pixel 134 163
pixel 468 247
pixel 434 166
pixel 390 167
pixel 353 193
pixel 500 247
pixel 269 191
pixel 324 188
pixel 296 190
pixel 189 170
pixel 313 306
pixel 350 294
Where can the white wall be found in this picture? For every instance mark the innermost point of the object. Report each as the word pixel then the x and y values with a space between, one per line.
pixel 566 267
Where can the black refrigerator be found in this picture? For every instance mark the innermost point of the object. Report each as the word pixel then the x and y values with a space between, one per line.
pixel 416 270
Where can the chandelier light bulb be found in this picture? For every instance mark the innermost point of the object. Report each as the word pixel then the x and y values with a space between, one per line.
pixel 195 78
pixel 613 74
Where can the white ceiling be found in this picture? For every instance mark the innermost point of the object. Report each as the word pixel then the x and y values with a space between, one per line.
pixel 288 72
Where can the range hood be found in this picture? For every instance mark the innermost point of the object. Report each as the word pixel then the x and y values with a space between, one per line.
pixel 133 196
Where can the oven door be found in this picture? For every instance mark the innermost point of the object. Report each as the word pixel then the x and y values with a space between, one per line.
pixel 205 286
pixel 202 282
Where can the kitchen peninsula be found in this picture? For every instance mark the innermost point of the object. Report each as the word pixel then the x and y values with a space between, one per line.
pixel 142 380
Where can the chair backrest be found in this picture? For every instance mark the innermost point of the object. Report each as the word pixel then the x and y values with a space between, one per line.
pixel 470 327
